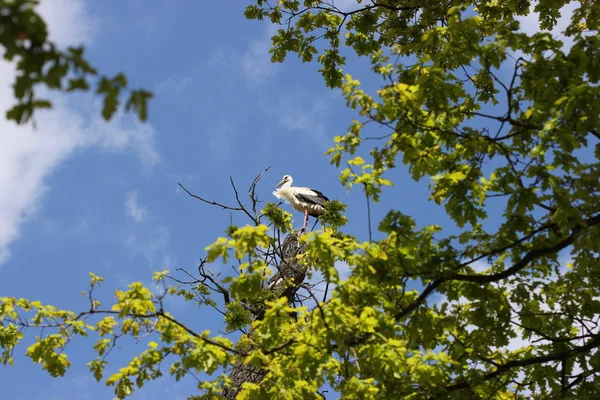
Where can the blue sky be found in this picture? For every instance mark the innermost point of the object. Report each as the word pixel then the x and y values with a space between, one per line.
pixel 81 195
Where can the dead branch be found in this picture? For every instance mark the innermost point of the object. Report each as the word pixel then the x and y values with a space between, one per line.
pixel 285 282
pixel 211 202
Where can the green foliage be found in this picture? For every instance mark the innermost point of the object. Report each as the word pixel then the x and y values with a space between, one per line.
pixel 9 338
pixel 480 309
pixel 244 242
pixel 237 316
pixel 334 215
pixel 44 351
pixel 137 313
pixel 24 37
pixel 494 134
pixel 281 219
pixel 324 249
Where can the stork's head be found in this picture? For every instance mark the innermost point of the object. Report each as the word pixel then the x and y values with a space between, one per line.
pixel 286 179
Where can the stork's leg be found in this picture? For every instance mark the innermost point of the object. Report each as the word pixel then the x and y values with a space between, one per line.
pixel 315 224
pixel 305 220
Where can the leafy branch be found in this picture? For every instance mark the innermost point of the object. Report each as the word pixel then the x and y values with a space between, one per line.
pixel 24 37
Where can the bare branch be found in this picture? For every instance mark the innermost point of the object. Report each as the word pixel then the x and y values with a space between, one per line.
pixel 242 207
pixel 212 278
pixel 252 191
pixel 214 203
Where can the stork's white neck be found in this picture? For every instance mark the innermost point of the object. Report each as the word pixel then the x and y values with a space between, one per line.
pixel 286 185
pixel 284 191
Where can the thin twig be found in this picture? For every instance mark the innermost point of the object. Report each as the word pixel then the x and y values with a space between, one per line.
pixel 158 314
pixel 214 203
pixel 242 207
pixel 326 289
pixel 252 191
pixel 368 212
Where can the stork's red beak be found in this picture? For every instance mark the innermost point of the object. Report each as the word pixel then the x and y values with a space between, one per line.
pixel 279 184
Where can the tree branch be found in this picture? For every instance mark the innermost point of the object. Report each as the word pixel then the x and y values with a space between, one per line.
pixel 242 207
pixel 252 191
pixel 564 355
pixel 158 314
pixel 530 256
pixel 214 203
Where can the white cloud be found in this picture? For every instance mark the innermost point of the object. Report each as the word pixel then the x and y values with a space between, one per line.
pixel 305 114
pixel 348 5
pixel 221 139
pixel 480 266
pixel 253 66
pixel 59 229
pixel 173 85
pixel 530 24
pixel 151 244
pixel 133 208
pixel 28 156
pixel 147 18
pixel 256 61
pixel 122 133
pixel 69 21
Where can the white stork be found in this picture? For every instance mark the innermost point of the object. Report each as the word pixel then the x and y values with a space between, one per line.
pixel 308 201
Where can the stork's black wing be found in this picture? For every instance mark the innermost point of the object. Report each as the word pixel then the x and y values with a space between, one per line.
pixel 319 198
pixel 321 195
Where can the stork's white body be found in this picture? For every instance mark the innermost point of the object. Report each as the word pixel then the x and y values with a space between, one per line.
pixel 288 194
pixel 305 200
